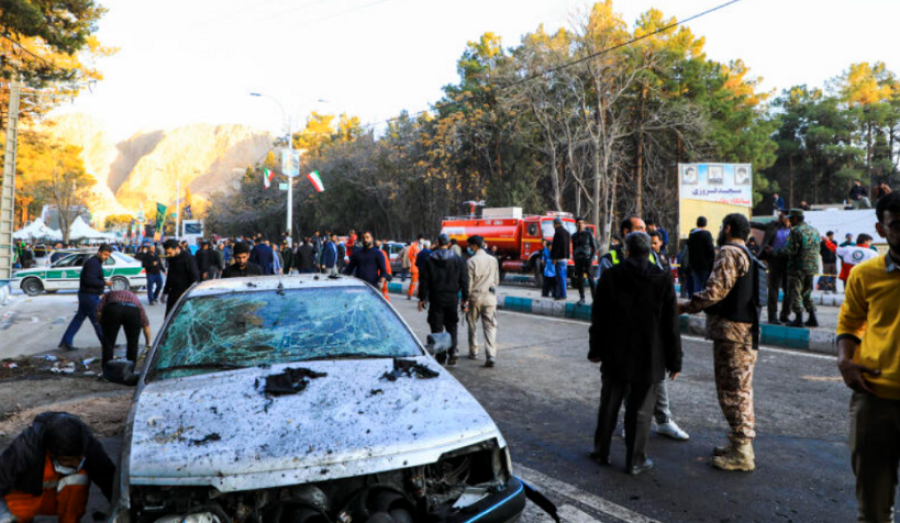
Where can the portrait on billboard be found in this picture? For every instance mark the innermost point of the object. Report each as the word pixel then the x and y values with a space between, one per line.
pixel 742 175
pixel 689 175
pixel 716 175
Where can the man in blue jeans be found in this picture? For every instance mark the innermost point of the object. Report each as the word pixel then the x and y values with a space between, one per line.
pixel 560 252
pixel 90 289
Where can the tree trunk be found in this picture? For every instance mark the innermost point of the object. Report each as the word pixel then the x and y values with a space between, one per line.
pixel 791 180
pixel 639 159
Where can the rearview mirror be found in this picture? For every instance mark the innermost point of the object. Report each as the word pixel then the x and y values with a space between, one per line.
pixel 438 343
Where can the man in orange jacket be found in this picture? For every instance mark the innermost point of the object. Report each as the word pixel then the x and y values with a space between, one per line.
pixel 413 270
pixel 380 245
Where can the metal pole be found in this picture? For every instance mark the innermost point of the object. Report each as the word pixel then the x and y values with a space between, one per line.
pixel 290 191
pixel 178 207
pixel 8 190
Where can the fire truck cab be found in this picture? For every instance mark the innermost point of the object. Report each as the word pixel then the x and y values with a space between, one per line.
pixel 518 237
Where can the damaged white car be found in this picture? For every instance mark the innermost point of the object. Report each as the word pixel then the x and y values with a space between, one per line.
pixel 305 400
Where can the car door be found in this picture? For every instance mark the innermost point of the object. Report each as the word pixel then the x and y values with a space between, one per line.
pixel 67 275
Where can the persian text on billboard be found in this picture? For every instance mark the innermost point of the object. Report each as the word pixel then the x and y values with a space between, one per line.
pixel 727 183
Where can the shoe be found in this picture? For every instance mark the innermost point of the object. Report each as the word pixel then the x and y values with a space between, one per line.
pixel 634 470
pixel 580 302
pixel 409 298
pixel 784 319
pixel 671 430
pixel 724 450
pixel 452 361
pixel 623 432
pixel 489 363
pixel 797 321
pixel 66 346
pixel 812 321
pixel 773 321
pixel 600 460
pixel 740 458
pixel 473 356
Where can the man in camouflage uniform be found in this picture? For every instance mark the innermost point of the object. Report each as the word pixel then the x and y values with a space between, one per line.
pixel 803 262
pixel 734 354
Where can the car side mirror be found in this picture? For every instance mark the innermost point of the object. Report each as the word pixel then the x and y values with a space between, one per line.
pixel 438 343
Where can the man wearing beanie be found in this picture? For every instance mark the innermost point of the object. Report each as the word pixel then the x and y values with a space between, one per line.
pixel 242 267
pixel 48 470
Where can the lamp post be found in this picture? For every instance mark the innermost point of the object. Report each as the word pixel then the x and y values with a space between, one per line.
pixel 290 145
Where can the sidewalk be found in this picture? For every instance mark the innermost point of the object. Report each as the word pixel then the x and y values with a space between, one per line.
pixel 515 296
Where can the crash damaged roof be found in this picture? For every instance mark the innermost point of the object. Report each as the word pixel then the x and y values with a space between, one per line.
pixel 224 431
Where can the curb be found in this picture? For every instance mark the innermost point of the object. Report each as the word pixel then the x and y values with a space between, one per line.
pixel 821 342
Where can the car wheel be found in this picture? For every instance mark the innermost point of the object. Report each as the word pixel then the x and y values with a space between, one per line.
pixel 120 284
pixel 32 287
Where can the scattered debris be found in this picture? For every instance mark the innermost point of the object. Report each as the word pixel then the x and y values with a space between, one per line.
pixel 47 357
pixel 66 368
pixel 375 392
pixel 11 366
pixel 206 439
pixel 291 381
pixel 409 368
pixel 87 361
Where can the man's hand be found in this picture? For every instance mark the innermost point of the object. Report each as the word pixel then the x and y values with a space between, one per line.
pixel 853 375
pixel 421 306
pixel 682 307
pixel 464 306
pixel 674 375
pixel 108 283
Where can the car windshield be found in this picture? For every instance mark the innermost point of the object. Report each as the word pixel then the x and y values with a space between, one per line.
pixel 242 329
pixel 548 230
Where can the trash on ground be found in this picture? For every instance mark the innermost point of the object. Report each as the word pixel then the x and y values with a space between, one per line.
pixel 290 381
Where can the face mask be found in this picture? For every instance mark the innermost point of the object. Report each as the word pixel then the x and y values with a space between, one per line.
pixel 470 251
pixel 67 471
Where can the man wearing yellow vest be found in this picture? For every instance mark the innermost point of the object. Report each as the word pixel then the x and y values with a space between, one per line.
pixel 868 336
pixel 665 425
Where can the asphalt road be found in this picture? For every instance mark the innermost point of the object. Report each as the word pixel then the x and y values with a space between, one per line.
pixel 544 394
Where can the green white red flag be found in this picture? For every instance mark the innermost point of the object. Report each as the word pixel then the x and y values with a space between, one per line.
pixel 316 181
pixel 267 177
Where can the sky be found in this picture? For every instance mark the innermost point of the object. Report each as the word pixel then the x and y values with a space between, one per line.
pixel 196 61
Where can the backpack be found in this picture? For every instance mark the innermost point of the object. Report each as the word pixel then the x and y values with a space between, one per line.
pixel 760 289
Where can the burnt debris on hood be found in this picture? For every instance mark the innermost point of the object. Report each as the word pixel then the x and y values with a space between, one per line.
pixel 409 369
pixel 289 381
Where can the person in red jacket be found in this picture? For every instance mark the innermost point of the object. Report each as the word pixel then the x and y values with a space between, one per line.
pixel 387 265
pixel 351 241
pixel 413 269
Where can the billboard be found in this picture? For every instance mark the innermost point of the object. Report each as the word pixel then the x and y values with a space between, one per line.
pixel 713 190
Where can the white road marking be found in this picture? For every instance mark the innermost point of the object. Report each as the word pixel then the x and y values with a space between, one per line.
pixel 548 485
pixel 786 352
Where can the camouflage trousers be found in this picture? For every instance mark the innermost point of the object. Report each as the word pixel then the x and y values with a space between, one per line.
pixel 734 364
pixel 799 292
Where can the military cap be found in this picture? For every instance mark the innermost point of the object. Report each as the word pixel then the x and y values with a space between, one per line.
pixel 796 213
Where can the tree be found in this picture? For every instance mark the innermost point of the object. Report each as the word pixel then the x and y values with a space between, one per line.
pixel 66 187
pixel 118 221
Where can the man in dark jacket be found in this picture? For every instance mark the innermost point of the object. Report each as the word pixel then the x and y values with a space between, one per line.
pixel 560 253
pixel 205 261
pixel 829 264
pixel 367 263
pixel 263 255
pixel 772 251
pixel 90 288
pixel 443 278
pixel 48 470
pixel 702 250
pixel 182 273
pixel 634 336
pixel 241 268
pixel 305 257
pixel 330 255
pixel 154 268
pixel 584 248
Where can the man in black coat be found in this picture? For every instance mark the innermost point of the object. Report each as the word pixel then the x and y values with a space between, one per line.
pixel 584 247
pixel 560 252
pixel 367 263
pixel 205 261
pixel 702 251
pixel 634 336
pixel 305 257
pixel 52 464
pixel 242 266
pixel 443 278
pixel 773 252
pixel 90 287
pixel 182 273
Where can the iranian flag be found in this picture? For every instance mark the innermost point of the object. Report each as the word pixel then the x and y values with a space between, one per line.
pixel 267 177
pixel 314 179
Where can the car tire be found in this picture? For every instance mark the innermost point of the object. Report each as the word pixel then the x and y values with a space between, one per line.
pixel 120 284
pixel 32 287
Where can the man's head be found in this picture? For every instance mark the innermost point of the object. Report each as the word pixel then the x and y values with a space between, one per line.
pixel 830 235
pixel 475 243
pixel 557 222
pixel 864 240
pixel 420 239
pixel 783 219
pixel 443 241
pixel 453 241
pixel 888 226
pixel 857 183
pixel 65 440
pixel 702 222
pixel 579 223
pixel 204 245
pixel 172 248
pixel 334 237
pixel 775 196
pixel 656 241
pixel 652 226
pixel 735 226
pixel 241 254
pixel 637 245
pixel 104 252
pixel 368 239
pixel 632 224
pixel 848 237
pixel 378 244
pixel 796 217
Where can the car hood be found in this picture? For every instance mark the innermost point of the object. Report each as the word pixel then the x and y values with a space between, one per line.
pixel 220 430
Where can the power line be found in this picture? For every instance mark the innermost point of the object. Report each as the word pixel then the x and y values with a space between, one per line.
pixel 573 62
pixel 22 47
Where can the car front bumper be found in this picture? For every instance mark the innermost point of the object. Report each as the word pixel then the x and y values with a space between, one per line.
pixel 505 506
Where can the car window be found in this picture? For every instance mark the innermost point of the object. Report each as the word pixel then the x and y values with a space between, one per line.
pixel 548 230
pixel 110 261
pixel 271 327
pixel 65 261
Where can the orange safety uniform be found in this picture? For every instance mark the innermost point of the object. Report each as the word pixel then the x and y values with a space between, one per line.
pixel 387 266
pixel 413 270
pixel 65 497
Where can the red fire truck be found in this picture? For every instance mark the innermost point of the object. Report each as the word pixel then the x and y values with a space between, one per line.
pixel 518 237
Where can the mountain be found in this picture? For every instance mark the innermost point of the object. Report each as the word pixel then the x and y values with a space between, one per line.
pixel 145 168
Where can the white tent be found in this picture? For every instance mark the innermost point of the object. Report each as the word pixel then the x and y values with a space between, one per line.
pixel 80 230
pixel 38 230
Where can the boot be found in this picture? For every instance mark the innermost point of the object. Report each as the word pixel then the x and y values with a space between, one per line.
pixel 812 321
pixel 724 450
pixel 740 458
pixel 773 321
pixel 797 321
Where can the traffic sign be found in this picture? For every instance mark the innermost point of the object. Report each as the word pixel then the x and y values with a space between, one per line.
pixel 282 186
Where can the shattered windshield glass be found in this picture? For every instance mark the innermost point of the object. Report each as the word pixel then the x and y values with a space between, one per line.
pixel 244 329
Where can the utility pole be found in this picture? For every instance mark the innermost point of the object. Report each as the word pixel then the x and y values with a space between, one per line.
pixel 8 190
